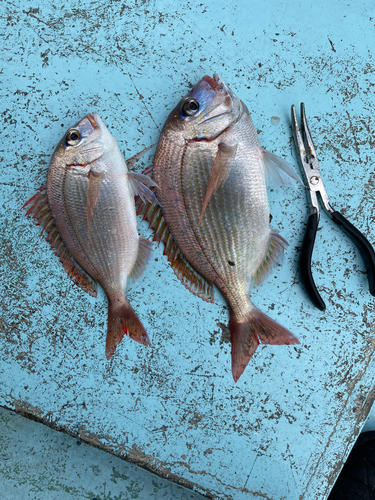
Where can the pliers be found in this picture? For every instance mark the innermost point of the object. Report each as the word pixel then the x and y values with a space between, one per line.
pixel 310 165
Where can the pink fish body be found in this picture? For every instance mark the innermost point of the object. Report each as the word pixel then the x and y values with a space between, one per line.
pixel 211 174
pixel 89 214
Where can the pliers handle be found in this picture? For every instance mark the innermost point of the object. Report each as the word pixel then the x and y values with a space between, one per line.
pixel 310 165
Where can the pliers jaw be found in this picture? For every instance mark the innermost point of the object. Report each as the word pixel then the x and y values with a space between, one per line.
pixel 310 164
pixel 309 161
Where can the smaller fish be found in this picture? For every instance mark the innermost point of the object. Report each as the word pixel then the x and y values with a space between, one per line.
pixel 87 210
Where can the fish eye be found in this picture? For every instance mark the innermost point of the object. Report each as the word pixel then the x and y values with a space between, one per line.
pixel 189 108
pixel 73 137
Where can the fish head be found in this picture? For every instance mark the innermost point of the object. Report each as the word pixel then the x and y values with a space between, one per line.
pixel 85 142
pixel 206 111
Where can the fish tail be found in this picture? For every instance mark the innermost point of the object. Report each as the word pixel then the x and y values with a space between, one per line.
pixel 123 320
pixel 248 331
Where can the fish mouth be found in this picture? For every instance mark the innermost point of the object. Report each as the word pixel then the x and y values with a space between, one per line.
pixel 215 83
pixel 99 123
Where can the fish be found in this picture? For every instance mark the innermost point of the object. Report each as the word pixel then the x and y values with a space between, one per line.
pixel 87 211
pixel 214 218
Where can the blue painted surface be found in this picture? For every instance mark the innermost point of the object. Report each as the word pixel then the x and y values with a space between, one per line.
pixel 38 462
pixel 284 430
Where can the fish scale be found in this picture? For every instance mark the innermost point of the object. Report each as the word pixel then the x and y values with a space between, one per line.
pixel 176 214
pixel 248 207
pixel 110 256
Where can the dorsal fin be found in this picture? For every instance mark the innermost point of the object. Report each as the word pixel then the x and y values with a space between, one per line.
pixel 188 276
pixel 40 210
pixel 274 256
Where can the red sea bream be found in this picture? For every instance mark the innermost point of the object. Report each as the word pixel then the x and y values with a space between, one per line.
pixel 87 210
pixel 211 171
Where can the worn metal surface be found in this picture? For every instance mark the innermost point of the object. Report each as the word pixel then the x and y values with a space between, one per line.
pixel 284 430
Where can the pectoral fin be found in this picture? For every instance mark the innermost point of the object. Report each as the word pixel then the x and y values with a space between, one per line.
pixel 278 171
pixel 95 180
pixel 220 170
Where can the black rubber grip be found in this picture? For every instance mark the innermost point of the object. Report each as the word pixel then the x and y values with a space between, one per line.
pixel 363 245
pixel 305 262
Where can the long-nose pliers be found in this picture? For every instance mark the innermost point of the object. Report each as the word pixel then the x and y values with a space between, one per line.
pixel 310 165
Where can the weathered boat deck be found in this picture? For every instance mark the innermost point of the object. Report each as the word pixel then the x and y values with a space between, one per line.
pixel 285 429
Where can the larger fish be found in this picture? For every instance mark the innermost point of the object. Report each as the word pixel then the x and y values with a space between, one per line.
pixel 87 209
pixel 211 172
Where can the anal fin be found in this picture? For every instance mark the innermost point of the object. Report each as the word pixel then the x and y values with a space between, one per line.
pixel 273 257
pixel 145 249
pixel 40 209
pixel 189 277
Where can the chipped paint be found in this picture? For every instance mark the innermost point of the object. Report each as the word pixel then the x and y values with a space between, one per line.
pixel 284 430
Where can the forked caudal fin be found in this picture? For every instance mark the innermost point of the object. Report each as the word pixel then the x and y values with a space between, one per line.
pixel 123 320
pixel 246 333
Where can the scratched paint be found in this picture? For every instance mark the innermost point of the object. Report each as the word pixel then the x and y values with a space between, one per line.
pixel 284 430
